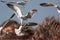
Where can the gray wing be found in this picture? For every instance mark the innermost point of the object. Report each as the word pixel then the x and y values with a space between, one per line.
pixel 31 13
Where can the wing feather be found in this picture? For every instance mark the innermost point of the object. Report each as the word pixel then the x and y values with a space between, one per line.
pixel 31 13
pixel 15 9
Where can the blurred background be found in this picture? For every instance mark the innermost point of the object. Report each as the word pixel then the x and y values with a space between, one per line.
pixel 6 12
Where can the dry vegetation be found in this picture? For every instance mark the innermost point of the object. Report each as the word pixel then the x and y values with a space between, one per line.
pixel 49 29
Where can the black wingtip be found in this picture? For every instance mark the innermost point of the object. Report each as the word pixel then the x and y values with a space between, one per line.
pixel 42 4
pixel 12 15
pixel 34 10
pixel 9 4
pixel 31 24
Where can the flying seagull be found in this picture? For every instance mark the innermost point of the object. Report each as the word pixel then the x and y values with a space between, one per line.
pixel 20 16
pixel 19 13
pixel 22 3
pixel 51 5
pixel 26 0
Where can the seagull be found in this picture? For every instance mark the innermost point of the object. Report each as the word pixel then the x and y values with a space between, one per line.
pixel 51 5
pixel 22 3
pixel 19 13
pixel 26 0
pixel 20 16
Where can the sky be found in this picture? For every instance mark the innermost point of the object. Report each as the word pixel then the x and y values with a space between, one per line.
pixel 6 12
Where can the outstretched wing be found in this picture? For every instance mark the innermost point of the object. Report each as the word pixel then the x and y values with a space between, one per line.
pixel 31 13
pixel 46 4
pixel 15 9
